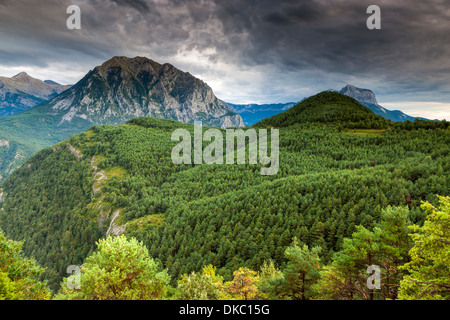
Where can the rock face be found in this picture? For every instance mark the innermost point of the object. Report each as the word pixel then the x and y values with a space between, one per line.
pixel 22 92
pixel 361 95
pixel 125 88
pixel 367 98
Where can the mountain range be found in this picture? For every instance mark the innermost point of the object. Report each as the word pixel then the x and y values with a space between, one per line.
pixel 119 90
pixel 328 107
pixel 253 113
pixel 124 88
pixel 36 114
pixel 22 92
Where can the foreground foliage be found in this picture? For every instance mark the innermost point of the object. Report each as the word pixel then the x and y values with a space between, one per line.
pixel 18 274
pixel 429 268
pixel 120 269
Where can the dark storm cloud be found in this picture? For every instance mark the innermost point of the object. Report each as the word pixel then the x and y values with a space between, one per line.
pixel 335 38
pixel 410 53
pixel 139 5
pixel 316 44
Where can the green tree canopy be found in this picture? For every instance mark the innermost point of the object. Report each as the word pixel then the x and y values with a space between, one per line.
pixel 302 271
pixel 200 286
pixel 269 278
pixel 18 274
pixel 386 247
pixel 120 269
pixel 429 268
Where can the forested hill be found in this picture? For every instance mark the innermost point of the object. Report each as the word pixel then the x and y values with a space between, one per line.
pixel 328 107
pixel 121 179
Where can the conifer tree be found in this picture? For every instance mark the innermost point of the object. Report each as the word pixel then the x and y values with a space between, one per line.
pixel 301 272
pixel 19 275
pixel 385 247
pixel 429 267
pixel 244 284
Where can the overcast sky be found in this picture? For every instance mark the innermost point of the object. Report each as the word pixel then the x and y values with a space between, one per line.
pixel 248 51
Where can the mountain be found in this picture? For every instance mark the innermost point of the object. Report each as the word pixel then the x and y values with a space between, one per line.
pixel 367 98
pixel 123 88
pixel 22 92
pixel 328 107
pixel 252 113
pixel 113 93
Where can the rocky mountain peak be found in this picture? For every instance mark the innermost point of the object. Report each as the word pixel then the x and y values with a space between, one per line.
pixel 367 98
pixel 124 88
pixel 23 77
pixel 130 65
pixel 362 95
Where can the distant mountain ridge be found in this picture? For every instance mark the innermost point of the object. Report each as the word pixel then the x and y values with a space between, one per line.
pixel 367 98
pixel 22 92
pixel 252 113
pixel 53 82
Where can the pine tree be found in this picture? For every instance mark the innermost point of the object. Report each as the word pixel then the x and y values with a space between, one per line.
pixel 385 247
pixel 301 272
pixel 429 268
pixel 244 284
pixel 269 278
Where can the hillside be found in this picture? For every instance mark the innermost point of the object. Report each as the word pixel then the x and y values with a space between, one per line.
pixel 113 93
pixel 253 113
pixel 121 179
pixel 327 107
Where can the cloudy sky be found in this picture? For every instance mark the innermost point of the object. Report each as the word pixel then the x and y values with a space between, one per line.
pixel 248 51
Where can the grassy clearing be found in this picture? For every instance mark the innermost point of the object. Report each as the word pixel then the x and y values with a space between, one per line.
pixel 116 171
pixel 153 219
pixel 89 133
pixel 365 132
